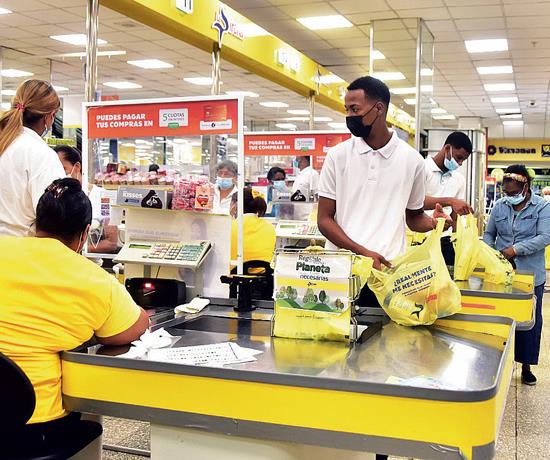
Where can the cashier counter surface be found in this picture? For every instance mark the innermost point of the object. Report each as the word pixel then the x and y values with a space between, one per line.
pixel 428 392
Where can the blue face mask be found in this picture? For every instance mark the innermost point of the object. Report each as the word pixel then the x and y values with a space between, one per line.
pixel 295 163
pixel 224 183
pixel 451 164
pixel 515 199
pixel 279 185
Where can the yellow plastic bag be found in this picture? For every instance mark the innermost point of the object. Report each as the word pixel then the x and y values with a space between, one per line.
pixel 466 252
pixel 418 288
pixel 497 268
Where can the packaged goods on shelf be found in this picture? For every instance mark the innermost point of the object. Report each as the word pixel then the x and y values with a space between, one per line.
pixel 194 193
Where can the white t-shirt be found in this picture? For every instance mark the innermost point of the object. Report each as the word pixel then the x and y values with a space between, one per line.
pixel 222 206
pixel 306 181
pixel 27 167
pixel 452 184
pixel 372 190
pixel 94 196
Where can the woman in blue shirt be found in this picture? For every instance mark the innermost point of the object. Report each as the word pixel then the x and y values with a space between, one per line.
pixel 519 227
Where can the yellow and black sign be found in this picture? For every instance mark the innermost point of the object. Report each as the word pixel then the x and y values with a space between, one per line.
pixel 518 150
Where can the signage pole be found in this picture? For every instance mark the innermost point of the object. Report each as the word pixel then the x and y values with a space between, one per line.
pixel 214 91
pixel 92 25
pixel 311 100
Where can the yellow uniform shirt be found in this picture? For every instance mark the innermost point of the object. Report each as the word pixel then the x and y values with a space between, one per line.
pixel 53 299
pixel 258 239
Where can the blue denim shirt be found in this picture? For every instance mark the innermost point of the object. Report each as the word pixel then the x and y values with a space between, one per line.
pixel 529 234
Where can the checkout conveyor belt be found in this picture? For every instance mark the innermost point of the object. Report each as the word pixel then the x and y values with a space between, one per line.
pixel 433 392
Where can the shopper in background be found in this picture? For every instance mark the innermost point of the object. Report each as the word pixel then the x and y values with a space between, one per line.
pixel 53 300
pixel 307 180
pixel 546 193
pixel 277 181
pixel 371 183
pixel 258 234
pixel 226 186
pixel 27 164
pixel 446 186
pixel 519 227
pixel 103 237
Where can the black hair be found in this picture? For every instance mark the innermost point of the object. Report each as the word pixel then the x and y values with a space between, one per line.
pixel 154 167
pixel 459 140
pixel 64 211
pixel 373 88
pixel 251 205
pixel 305 157
pixel 70 154
pixel 274 170
pixel 518 169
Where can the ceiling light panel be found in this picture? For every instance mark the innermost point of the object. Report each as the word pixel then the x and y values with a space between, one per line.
pixel 336 21
pixel 410 101
pixel 508 110
pixel 514 115
pixel 389 76
pixel 505 99
pixel 495 87
pixel 151 64
pixel 201 81
pixel 5 11
pixel 495 70
pixel 298 112
pixel 122 85
pixel 274 104
pixel 15 73
pixel 486 46
pixel 377 55
pixel 447 116
pixel 242 93
pixel 513 122
pixel 75 39
pixel 330 79
pixel 286 125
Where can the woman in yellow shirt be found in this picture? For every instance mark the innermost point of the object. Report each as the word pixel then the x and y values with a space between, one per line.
pixel 259 234
pixel 53 300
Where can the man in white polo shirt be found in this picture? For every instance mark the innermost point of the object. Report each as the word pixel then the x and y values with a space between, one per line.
pixel 372 183
pixel 446 186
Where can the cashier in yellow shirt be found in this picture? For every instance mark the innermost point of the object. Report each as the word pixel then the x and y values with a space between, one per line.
pixel 53 299
pixel 259 234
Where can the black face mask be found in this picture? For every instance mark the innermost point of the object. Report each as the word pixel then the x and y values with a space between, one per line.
pixel 356 126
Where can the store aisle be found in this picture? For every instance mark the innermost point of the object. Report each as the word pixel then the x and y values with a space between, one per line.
pixel 524 432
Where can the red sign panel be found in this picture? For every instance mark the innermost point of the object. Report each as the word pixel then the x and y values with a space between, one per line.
pixel 163 119
pixel 292 144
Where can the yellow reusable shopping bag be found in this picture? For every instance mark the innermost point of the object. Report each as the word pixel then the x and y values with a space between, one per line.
pixel 497 268
pixel 466 247
pixel 418 288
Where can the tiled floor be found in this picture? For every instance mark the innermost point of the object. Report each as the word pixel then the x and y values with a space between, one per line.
pixel 523 434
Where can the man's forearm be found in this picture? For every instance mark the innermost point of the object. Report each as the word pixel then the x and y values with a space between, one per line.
pixel 431 201
pixel 421 223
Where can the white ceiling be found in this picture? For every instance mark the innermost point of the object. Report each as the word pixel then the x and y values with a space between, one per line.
pixel 457 86
pixel 29 27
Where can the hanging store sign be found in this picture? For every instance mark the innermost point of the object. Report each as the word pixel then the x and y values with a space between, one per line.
pixel 518 150
pixel 217 116
pixel 313 143
pixel 185 6
pixel 224 24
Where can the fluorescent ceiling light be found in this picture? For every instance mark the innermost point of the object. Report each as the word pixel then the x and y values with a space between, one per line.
pixel 410 101
pixel 495 70
pixel 202 81
pixel 99 53
pixel 494 87
pixel 316 119
pixel 498 100
pixel 5 11
pixel 426 89
pixel 253 30
pixel 426 72
pixel 447 116
pixel 514 115
pixel 330 79
pixel 60 88
pixel 286 125
pixel 128 144
pixel 8 92
pixel 513 122
pixel 389 76
pixel 273 104
pixel 5 106
pixel 377 55
pixel 14 73
pixel 325 22
pixel 242 93
pixel 75 39
pixel 151 64
pixel 337 125
pixel 411 90
pixel 298 112
pixel 438 110
pixel 486 46
pixel 122 85
pixel 508 110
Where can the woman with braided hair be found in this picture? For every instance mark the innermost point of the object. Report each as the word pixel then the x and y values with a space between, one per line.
pixel 27 164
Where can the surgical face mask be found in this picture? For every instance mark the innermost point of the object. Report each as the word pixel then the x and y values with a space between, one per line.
pixel 45 132
pixel 71 173
pixel 514 200
pixel 295 163
pixel 224 183
pixel 546 197
pixel 451 164
pixel 281 185
pixel 356 126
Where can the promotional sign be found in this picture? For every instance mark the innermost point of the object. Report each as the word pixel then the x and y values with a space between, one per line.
pixel 312 143
pixel 163 119
pixel 518 150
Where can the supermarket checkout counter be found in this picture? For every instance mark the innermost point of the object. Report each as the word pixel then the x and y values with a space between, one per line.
pixel 516 301
pixel 433 392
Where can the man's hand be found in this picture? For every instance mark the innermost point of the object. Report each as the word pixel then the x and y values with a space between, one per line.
pixel 440 214
pixel 509 253
pixel 461 207
pixel 379 260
